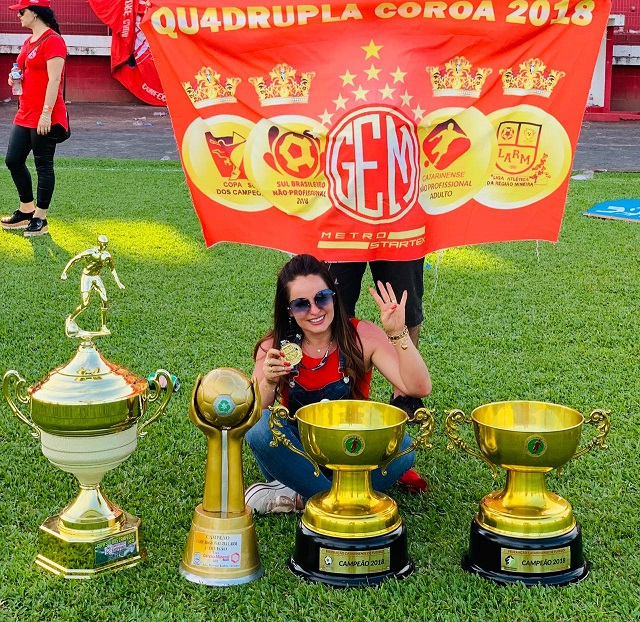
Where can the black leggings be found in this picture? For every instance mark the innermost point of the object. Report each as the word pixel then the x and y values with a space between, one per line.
pixel 22 141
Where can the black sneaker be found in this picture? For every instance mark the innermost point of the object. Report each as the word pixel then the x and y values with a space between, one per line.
pixel 37 226
pixel 408 404
pixel 17 220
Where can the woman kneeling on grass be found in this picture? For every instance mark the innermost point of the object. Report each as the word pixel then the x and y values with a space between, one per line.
pixel 338 355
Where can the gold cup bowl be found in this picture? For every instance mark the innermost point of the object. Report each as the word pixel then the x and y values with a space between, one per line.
pixel 88 415
pixel 527 439
pixel 351 525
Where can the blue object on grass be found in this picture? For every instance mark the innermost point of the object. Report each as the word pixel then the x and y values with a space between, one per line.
pixel 618 209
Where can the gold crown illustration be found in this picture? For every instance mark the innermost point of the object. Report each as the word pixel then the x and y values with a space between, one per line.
pixel 209 90
pixel 458 79
pixel 531 80
pixel 283 88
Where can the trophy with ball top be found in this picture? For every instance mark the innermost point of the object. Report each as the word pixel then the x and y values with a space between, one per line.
pixel 222 547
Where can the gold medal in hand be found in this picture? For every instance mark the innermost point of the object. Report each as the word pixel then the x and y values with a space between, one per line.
pixel 292 352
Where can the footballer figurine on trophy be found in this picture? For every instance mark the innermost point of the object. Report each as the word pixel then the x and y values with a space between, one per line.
pixel 95 259
pixel 222 547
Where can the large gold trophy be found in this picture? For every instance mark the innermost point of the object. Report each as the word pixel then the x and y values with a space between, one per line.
pixel 88 416
pixel 525 532
pixel 222 548
pixel 351 535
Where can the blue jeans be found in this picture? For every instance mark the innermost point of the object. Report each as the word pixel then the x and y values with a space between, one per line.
pixel 296 472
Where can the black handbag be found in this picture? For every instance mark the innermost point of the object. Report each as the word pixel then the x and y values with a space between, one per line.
pixel 62 134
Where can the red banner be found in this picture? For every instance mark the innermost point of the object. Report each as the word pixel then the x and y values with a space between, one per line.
pixel 375 129
pixel 131 60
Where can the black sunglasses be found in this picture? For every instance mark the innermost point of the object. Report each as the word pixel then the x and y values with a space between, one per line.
pixel 300 306
pixel 21 12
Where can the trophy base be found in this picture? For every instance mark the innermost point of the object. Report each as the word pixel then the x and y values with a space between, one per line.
pixel 83 555
pixel 220 550
pixel 558 560
pixel 350 562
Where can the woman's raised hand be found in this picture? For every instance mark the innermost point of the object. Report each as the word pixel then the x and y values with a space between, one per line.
pixel 392 310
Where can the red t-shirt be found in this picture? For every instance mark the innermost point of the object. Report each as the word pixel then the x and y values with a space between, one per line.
pixel 329 372
pixel 33 64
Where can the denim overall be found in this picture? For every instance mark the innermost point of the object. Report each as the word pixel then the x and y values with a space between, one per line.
pixel 280 463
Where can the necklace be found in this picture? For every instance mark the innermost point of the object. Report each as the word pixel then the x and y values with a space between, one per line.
pixel 318 350
pixel 321 363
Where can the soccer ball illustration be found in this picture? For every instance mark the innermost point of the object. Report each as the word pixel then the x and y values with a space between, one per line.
pixel 224 397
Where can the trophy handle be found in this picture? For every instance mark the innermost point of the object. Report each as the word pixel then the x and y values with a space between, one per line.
pixel 423 440
pixel 280 412
pixel 22 397
pixel 154 394
pixel 456 416
pixel 599 418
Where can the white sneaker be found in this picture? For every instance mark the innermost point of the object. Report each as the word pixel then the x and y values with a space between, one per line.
pixel 271 498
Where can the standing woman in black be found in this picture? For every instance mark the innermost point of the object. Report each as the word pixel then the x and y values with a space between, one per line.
pixel 41 118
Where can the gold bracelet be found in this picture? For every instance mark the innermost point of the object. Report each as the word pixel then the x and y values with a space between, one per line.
pixel 401 338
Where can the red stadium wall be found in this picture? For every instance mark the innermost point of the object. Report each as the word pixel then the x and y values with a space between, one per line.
pixel 625 88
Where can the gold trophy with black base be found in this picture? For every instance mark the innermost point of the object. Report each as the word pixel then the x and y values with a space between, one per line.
pixel 525 533
pixel 88 417
pixel 351 535
pixel 222 548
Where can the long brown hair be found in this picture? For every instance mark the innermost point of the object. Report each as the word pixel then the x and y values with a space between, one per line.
pixel 343 332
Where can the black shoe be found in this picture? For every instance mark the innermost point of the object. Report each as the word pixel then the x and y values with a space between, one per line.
pixel 408 404
pixel 17 220
pixel 37 226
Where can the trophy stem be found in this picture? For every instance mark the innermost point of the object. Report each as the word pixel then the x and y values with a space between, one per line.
pixel 352 492
pixel 525 491
pixel 525 508
pixel 351 508
pixel 91 511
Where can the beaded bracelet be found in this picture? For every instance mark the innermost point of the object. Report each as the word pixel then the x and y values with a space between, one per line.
pixel 400 338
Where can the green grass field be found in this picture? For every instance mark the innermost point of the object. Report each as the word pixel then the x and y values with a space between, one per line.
pixel 520 320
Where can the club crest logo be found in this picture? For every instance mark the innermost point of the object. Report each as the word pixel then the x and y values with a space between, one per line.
pixel 293 153
pixel 445 143
pixel 372 164
pixel 518 143
pixel 353 445
pixel 536 446
pixel 222 150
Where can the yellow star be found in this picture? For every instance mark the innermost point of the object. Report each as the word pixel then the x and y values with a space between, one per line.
pixel 372 50
pixel 347 78
pixel 418 112
pixel 406 98
pixel 361 94
pixel 398 76
pixel 325 117
pixel 340 102
pixel 372 72
pixel 387 92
